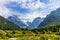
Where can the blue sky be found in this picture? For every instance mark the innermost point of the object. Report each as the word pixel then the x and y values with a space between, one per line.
pixel 28 9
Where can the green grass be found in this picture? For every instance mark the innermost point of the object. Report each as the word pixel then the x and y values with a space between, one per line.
pixel 28 35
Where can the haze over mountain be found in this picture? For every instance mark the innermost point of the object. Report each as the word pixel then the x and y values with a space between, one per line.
pixel 34 24
pixel 29 25
pixel 54 16
pixel 17 21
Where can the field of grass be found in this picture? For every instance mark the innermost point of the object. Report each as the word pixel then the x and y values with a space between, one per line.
pixel 41 37
pixel 27 35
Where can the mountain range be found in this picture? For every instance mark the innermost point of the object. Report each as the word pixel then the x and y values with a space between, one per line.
pixel 17 21
pixel 29 25
pixel 34 24
pixel 13 22
pixel 54 16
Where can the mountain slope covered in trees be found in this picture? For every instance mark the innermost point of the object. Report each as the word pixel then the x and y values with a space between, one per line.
pixel 6 25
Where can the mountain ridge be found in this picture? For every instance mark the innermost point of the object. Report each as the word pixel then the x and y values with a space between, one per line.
pixel 54 16
pixel 17 21
pixel 7 25
pixel 34 24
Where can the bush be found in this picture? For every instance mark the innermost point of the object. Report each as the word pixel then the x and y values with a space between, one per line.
pixel 23 32
pixel 43 38
pixel 58 33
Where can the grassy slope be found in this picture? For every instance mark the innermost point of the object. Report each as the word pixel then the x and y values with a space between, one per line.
pixel 27 35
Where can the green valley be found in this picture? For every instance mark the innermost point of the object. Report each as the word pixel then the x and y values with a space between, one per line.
pixel 49 32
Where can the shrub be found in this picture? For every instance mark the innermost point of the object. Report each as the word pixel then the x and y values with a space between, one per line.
pixel 58 33
pixel 43 38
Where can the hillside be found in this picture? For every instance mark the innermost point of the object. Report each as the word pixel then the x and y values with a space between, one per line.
pixel 54 16
pixel 6 25
pixel 53 27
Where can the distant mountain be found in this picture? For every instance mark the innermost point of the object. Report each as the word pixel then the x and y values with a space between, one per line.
pixel 54 16
pixel 48 29
pixel 35 23
pixel 17 21
pixel 7 25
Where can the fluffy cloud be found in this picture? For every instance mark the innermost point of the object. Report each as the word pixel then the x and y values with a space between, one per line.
pixel 3 10
pixel 28 9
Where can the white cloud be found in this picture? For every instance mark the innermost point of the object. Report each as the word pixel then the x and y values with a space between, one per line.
pixel 30 4
pixel 33 5
pixel 31 16
pixel 54 4
pixel 3 10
